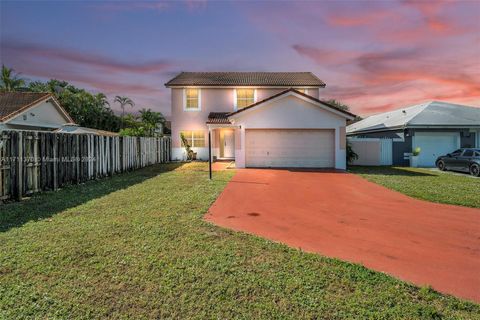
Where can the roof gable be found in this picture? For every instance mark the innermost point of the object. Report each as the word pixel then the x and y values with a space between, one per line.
pixel 221 79
pixel 12 104
pixel 301 95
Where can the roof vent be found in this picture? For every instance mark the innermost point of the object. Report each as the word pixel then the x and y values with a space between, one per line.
pixel 404 112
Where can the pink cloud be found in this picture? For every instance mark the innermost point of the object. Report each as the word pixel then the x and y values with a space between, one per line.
pixel 379 81
pixel 94 81
pixel 324 55
pixel 430 12
pixel 346 19
pixel 12 48
pixel 140 81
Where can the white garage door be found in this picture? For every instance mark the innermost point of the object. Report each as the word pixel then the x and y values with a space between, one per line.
pixel 290 148
pixel 433 145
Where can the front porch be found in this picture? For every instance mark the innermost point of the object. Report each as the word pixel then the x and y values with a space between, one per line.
pixel 224 140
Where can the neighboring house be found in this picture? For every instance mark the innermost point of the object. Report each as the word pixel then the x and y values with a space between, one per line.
pixel 166 127
pixel 437 128
pixel 75 129
pixel 258 119
pixel 163 128
pixel 31 111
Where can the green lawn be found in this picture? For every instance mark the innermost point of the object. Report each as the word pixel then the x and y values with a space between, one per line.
pixel 426 184
pixel 135 246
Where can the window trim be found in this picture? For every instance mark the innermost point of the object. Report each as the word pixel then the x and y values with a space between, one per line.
pixel 235 106
pixel 185 99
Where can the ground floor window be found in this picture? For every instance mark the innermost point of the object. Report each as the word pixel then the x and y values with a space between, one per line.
pixel 195 138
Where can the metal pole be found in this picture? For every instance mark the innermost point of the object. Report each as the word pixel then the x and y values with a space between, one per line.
pixel 210 153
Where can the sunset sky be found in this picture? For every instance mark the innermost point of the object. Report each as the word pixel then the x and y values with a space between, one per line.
pixel 373 55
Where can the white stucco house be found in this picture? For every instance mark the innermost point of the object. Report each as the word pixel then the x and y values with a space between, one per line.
pixel 31 111
pixel 257 119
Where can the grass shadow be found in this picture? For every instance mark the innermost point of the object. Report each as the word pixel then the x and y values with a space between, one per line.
pixel 46 204
pixel 388 171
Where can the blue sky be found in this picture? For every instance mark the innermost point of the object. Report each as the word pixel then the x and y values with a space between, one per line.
pixel 373 55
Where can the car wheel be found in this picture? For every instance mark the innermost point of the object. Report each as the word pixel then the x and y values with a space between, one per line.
pixel 441 165
pixel 475 170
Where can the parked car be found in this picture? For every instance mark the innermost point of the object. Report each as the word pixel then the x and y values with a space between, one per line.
pixel 465 160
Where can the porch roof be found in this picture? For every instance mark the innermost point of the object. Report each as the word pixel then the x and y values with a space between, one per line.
pixel 218 118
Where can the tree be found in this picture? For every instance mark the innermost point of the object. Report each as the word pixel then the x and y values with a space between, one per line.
pixel 344 107
pixel 144 125
pixel 151 120
pixel 132 127
pixel 86 109
pixel 338 104
pixel 351 155
pixel 124 101
pixel 10 80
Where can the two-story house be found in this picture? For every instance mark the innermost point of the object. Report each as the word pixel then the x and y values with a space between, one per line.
pixel 257 119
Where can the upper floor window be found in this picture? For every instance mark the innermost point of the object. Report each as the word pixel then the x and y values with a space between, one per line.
pixel 302 90
pixel 191 99
pixel 244 97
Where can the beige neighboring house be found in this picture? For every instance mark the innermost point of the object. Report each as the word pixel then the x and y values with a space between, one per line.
pixel 257 119
pixel 31 111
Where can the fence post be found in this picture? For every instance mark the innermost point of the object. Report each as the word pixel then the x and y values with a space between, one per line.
pixel 55 162
pixel 112 159
pixel 20 165
pixel 36 163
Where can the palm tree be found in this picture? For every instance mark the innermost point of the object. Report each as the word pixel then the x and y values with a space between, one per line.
pixel 10 81
pixel 151 120
pixel 124 101
pixel 102 99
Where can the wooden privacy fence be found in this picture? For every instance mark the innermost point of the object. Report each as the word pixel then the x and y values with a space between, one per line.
pixel 32 161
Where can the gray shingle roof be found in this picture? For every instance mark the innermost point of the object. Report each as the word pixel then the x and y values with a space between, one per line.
pixel 13 102
pixel 212 79
pixel 430 114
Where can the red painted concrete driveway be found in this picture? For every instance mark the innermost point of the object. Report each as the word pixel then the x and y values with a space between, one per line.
pixel 344 216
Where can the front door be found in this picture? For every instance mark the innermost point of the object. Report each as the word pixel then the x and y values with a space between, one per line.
pixel 228 144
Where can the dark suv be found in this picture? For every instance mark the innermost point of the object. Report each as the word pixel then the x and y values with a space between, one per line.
pixel 466 160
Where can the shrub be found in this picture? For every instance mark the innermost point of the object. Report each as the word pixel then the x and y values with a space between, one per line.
pixel 351 155
pixel 187 147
